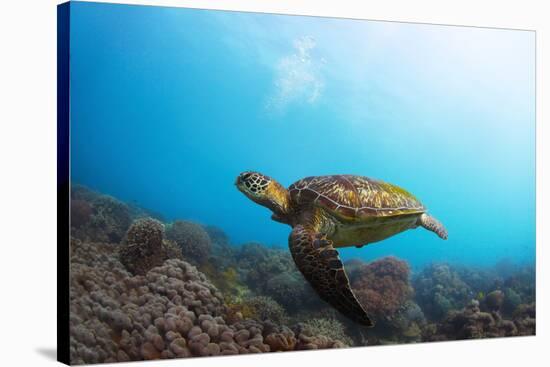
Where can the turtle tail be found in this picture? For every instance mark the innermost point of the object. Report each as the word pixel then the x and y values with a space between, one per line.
pixel 432 224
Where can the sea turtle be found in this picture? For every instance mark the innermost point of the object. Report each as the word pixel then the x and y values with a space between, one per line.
pixel 327 212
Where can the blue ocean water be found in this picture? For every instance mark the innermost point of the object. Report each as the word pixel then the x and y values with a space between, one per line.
pixel 169 105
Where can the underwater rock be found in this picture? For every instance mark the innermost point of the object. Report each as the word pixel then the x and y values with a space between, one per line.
pixel 382 286
pixel 193 240
pixel 144 247
pixel 439 289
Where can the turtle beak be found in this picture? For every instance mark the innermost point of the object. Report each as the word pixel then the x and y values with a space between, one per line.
pixel 240 178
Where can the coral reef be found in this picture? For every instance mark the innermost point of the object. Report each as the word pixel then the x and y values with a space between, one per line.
pixel 525 319
pixel 473 323
pixel 272 272
pixel 222 253
pixel 263 308
pixel 81 213
pixel 382 286
pixel 141 292
pixel 96 217
pixel 193 240
pixel 439 289
pixel 326 326
pixel 171 311
pixel 144 246
pixel 494 300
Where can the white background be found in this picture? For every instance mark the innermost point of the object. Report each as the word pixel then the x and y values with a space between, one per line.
pixel 28 183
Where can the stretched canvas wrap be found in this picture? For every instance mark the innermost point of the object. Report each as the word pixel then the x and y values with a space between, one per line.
pixel 234 183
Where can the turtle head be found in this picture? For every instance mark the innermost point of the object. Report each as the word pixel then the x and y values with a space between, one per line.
pixel 265 191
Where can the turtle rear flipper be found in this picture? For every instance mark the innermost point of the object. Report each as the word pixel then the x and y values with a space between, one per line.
pixel 432 224
pixel 320 264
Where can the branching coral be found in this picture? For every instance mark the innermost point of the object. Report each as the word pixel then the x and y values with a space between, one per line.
pixel 328 327
pixel 193 240
pixel 266 308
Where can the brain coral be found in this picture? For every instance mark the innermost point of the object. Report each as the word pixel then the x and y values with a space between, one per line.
pixel 193 240
pixel 382 286
pixel 144 246
pixel 171 311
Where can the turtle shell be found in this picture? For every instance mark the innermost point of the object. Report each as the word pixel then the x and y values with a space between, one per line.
pixel 354 197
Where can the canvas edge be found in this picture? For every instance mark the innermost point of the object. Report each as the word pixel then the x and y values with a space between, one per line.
pixel 63 182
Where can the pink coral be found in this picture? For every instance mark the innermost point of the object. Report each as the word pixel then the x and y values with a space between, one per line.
pixel 382 286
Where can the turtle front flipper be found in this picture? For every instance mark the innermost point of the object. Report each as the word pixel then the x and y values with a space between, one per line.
pixel 321 266
pixel 432 224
